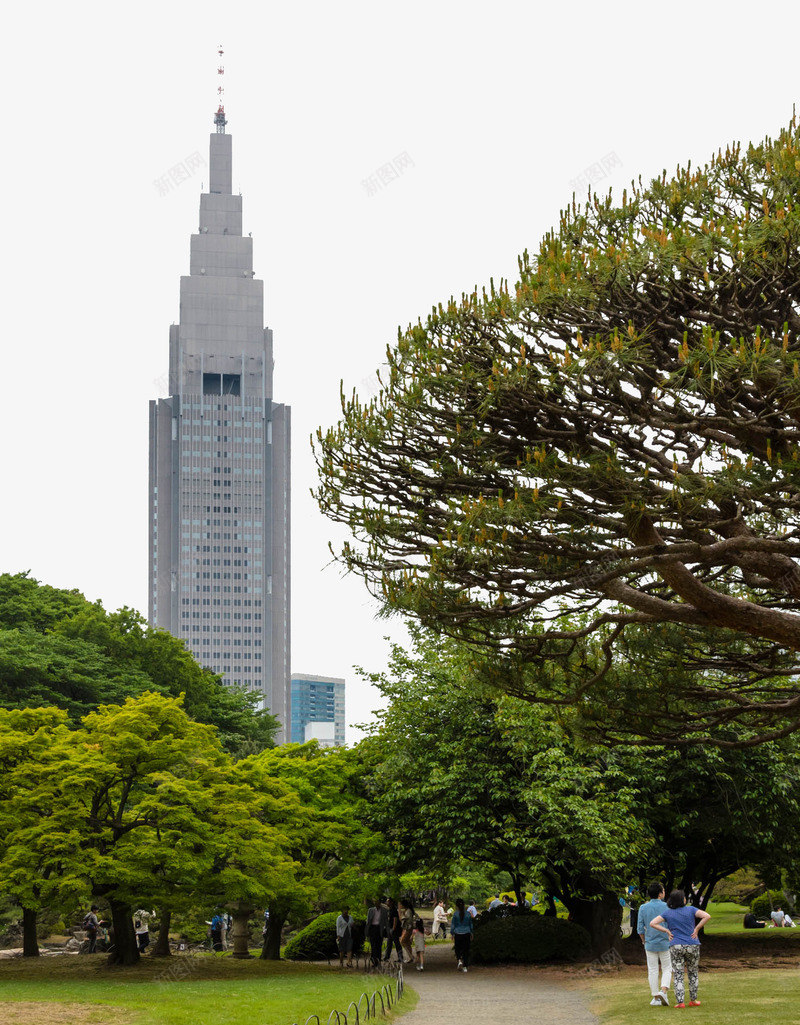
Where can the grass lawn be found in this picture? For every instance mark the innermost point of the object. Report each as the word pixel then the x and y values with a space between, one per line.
pixel 726 998
pixel 72 990
pixel 728 918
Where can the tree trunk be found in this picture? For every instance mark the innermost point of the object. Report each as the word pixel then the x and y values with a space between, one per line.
pixel 30 942
pixel 552 911
pixel 602 918
pixel 125 950
pixel 518 891
pixel 271 950
pixel 240 933
pixel 161 948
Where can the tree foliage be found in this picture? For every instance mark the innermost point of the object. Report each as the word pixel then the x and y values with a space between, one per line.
pixel 121 786
pixel 140 806
pixel 454 770
pixel 616 436
pixel 455 776
pixel 714 811
pixel 335 855
pixel 57 648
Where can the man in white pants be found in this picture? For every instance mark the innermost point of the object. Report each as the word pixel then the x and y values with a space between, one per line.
pixel 439 921
pixel 656 946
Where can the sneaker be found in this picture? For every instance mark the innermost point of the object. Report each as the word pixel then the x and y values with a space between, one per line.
pixel 663 998
pixel 655 1002
pixel 681 1006
pixel 419 968
pixel 459 966
pixel 694 1003
pixel 464 969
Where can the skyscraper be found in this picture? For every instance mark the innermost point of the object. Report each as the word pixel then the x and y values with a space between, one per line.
pixel 220 462
pixel 317 709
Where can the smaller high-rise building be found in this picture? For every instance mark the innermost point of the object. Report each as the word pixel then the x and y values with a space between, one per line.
pixel 317 709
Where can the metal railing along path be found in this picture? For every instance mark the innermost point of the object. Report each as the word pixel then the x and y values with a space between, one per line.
pixel 366 1007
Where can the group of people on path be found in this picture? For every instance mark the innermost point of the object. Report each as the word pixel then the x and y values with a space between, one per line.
pixel 669 931
pixel 397 925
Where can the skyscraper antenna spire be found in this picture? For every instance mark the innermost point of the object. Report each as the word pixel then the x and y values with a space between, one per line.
pixel 219 118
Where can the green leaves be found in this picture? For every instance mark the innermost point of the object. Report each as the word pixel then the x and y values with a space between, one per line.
pixel 457 772
pixel 453 774
pixel 638 393
pixel 141 805
pixel 58 649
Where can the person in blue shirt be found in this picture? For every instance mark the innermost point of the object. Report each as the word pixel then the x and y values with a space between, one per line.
pixel 216 931
pixel 681 923
pixel 656 946
pixel 461 930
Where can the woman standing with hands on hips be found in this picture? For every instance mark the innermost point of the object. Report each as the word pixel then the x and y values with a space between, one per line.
pixel 682 922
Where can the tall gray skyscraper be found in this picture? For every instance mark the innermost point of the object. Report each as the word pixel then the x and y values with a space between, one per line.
pixel 220 462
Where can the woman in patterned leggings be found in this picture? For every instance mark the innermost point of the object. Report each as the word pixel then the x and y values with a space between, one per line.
pixel 682 923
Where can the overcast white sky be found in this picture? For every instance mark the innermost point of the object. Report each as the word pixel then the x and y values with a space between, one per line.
pixel 499 106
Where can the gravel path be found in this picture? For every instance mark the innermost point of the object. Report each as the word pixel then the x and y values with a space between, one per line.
pixel 492 996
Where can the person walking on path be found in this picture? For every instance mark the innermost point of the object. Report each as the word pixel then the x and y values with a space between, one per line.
pixel 461 927
pixel 393 931
pixel 90 924
pixel 377 928
pixel 656 946
pixel 344 937
pixel 439 921
pixel 419 943
pixel 407 930
pixel 681 922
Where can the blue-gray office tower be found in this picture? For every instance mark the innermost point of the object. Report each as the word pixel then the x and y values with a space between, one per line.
pixel 317 709
pixel 220 462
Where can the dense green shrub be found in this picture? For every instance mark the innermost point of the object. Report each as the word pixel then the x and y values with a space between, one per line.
pixel 318 939
pixel 528 939
pixel 763 905
pixel 738 888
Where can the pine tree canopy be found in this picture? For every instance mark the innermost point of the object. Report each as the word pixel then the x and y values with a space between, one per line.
pixel 612 444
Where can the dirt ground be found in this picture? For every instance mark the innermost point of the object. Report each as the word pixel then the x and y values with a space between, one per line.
pixel 734 953
pixel 34 1012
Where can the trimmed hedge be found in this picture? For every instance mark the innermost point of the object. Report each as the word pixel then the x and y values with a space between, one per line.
pixel 764 904
pixel 529 939
pixel 318 939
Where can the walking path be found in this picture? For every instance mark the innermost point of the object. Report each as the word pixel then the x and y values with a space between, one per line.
pixel 493 996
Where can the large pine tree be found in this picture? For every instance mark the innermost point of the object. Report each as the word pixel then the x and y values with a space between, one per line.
pixel 610 445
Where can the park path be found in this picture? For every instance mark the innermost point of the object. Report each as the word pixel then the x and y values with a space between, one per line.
pixel 492 996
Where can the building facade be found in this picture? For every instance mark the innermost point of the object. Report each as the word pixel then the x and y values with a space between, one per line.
pixel 317 709
pixel 219 573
